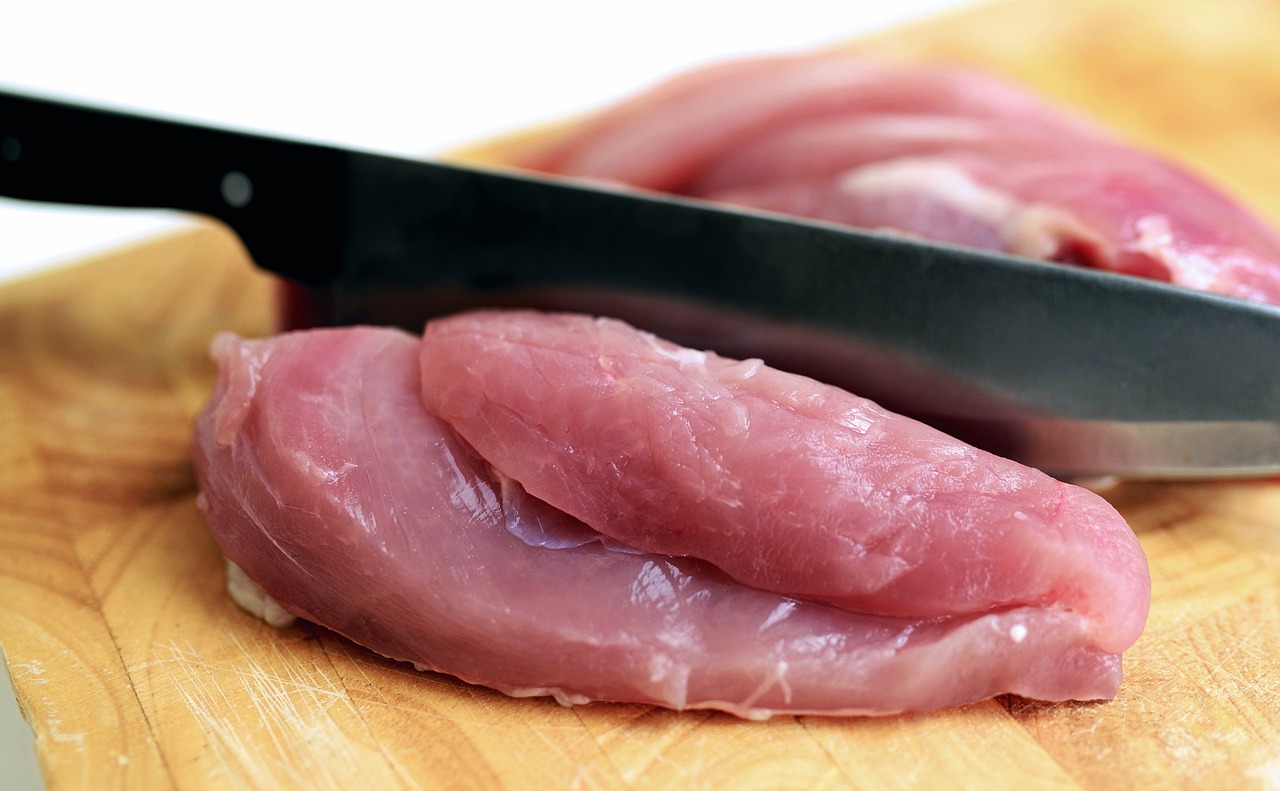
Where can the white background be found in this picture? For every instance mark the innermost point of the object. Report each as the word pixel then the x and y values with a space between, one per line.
pixel 407 78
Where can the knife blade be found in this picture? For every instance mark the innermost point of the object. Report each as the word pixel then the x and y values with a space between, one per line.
pixel 1078 372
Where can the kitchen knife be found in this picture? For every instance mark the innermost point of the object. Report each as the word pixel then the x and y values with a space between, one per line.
pixel 1076 371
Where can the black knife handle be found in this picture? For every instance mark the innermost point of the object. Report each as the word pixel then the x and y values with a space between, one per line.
pixel 286 200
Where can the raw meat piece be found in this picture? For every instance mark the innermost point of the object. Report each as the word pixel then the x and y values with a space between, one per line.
pixel 940 153
pixel 326 481
pixel 784 483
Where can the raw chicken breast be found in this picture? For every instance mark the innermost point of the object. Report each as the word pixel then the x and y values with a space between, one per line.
pixel 325 480
pixel 784 483
pixel 940 153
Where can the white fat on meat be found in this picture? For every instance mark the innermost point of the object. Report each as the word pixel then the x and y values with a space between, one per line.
pixel 254 600
pixel 1030 230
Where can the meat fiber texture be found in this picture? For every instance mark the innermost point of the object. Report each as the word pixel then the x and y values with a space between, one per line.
pixel 945 154
pixel 601 515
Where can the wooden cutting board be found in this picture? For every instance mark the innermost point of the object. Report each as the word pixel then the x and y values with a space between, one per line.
pixel 137 672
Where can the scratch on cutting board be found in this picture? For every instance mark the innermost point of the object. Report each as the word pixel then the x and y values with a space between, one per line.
pixel 51 722
pixel 276 727
pixel 1246 643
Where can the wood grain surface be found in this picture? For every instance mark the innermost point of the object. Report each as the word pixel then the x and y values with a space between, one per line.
pixel 137 672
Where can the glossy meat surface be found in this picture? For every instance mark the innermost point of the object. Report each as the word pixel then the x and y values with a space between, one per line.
pixel 326 481
pixel 940 153
pixel 785 483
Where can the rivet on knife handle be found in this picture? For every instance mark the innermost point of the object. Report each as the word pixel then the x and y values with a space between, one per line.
pixel 284 199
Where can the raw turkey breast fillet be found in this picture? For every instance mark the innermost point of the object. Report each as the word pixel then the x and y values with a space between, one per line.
pixel 560 505
pixel 942 153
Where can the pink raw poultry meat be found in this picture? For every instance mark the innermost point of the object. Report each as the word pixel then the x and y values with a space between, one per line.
pixel 785 483
pixel 325 479
pixel 941 153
